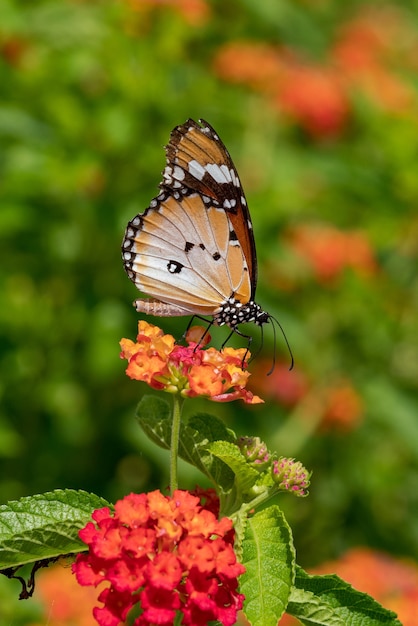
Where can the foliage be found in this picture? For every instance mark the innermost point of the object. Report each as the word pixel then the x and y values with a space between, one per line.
pixel 271 582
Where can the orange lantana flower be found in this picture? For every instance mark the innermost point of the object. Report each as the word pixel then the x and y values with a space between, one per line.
pixel 190 370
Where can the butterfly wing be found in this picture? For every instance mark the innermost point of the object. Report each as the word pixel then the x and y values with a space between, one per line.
pixel 197 160
pixel 183 251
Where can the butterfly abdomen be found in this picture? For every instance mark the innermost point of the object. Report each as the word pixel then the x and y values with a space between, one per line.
pixel 151 306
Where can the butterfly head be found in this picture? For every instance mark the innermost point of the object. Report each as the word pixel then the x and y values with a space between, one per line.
pixel 233 312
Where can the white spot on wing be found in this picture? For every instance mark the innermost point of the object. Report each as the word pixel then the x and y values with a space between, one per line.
pixel 220 174
pixel 235 178
pixel 196 169
pixel 167 174
pixel 178 173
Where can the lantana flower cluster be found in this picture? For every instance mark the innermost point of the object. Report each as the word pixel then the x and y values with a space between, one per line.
pixel 190 370
pixel 166 553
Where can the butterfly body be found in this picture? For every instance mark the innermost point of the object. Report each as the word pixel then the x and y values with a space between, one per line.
pixel 192 250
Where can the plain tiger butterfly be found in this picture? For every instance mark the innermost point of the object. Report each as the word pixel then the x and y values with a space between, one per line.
pixel 193 249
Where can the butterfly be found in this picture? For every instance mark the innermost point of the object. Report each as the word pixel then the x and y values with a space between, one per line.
pixel 193 248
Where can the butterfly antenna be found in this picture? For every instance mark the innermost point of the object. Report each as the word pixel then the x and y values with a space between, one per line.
pixel 273 365
pixel 292 360
pixel 259 349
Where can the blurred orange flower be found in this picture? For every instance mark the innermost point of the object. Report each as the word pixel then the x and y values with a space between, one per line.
pixel 329 250
pixel 368 52
pixel 370 55
pixel 284 386
pixel 392 582
pixel 337 406
pixel 255 64
pixel 343 407
pixel 314 97
pixel 13 49
pixel 66 602
pixel 380 33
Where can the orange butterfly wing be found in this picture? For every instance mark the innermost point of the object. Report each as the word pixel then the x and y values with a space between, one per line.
pixel 180 252
pixel 198 160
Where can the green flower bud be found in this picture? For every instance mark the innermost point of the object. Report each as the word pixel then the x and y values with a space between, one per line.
pixel 290 475
pixel 255 451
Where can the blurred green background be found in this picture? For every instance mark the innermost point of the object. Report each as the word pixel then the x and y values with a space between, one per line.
pixel 317 103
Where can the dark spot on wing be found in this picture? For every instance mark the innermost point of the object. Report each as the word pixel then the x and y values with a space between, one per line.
pixel 174 267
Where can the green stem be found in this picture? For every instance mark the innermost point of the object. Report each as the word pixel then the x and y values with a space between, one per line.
pixel 246 507
pixel 174 447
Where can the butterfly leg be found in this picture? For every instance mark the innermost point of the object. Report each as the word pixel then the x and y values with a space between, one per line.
pixel 247 337
pixel 189 325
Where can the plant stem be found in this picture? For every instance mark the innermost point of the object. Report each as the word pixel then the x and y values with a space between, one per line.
pixel 174 448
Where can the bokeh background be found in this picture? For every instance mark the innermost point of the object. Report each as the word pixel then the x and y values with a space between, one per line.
pixel 317 103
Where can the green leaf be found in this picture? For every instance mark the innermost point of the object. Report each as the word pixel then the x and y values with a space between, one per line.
pixel 245 475
pixel 154 417
pixel 201 431
pixel 44 526
pixel 330 601
pixel 269 558
pixel 210 427
pixel 311 610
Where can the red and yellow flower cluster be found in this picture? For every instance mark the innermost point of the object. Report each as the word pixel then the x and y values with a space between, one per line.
pixel 189 370
pixel 167 554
